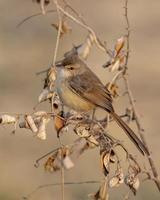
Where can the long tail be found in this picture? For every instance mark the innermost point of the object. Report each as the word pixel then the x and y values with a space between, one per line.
pixel 139 144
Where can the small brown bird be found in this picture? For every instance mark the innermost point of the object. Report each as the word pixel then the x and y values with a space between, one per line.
pixel 80 89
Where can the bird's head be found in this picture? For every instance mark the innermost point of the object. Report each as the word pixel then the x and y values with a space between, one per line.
pixel 71 65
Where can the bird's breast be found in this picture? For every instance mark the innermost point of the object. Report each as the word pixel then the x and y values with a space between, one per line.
pixel 73 100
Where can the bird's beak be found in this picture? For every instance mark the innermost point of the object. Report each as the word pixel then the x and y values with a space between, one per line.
pixel 59 64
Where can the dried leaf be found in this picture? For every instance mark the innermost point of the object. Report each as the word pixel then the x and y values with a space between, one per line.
pixel 92 142
pixel 52 163
pixel 136 184
pixel 114 181
pixel 51 74
pixel 40 113
pixel 113 88
pixel 102 193
pixel 117 56
pixel 45 95
pixel 130 114
pixel 65 28
pixel 133 182
pixel 115 65
pixel 57 104
pixel 84 49
pixel 119 45
pixel 41 134
pixel 7 119
pixel 122 58
pixel 29 119
pixel 82 130
pixel 112 157
pixel 59 158
pixel 67 162
pixel 117 179
pixel 105 160
pixel 59 122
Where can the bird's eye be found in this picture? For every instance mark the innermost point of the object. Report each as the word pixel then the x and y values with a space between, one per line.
pixel 71 68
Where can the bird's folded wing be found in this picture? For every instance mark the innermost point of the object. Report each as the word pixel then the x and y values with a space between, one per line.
pixel 91 89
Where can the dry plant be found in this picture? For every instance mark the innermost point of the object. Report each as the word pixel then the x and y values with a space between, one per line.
pixel 91 132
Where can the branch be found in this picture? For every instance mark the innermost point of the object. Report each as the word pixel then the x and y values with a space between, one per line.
pixel 85 26
pixel 59 31
pixel 132 102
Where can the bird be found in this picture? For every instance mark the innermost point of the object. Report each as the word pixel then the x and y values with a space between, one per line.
pixel 80 89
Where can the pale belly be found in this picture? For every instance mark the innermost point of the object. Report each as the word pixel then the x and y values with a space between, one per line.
pixel 72 100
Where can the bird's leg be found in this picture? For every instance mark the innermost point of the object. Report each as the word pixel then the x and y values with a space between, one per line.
pixel 93 114
pixel 92 118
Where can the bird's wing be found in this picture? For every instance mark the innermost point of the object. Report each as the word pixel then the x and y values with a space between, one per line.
pixel 89 87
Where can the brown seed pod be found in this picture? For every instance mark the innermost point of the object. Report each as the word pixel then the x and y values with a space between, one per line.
pixel 29 119
pixel 59 122
pixel 45 95
pixel 7 119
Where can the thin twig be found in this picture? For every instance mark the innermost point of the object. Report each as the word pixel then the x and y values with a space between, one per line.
pixel 67 5
pixel 59 184
pixel 132 102
pixel 54 61
pixel 42 5
pixel 141 133
pixel 32 16
pixel 127 35
pixel 44 156
pixel 97 41
pixel 59 31
pixel 114 79
pixel 62 170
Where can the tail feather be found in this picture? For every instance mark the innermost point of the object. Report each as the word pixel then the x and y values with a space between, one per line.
pixel 139 144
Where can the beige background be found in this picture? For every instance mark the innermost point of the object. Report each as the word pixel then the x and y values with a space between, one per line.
pixel 30 48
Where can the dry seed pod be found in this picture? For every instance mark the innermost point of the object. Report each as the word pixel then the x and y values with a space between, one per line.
pixel 105 160
pixel 24 124
pixel 121 177
pixel 84 49
pixel 41 134
pixel 7 119
pixel 53 163
pixel 114 182
pixel 133 182
pixel 31 123
pixel 51 74
pixel 119 45
pixel 59 122
pixel 65 29
pixel 67 162
pixel 115 65
pixel 112 157
pixel 102 193
pixel 45 94
pixel 57 104
pixel 82 130
pixel 113 88
pixel 64 155
pixel 92 141
pixel 136 184
pixel 117 179
pixel 40 113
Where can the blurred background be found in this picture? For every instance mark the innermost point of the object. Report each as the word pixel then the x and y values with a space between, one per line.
pixel 30 48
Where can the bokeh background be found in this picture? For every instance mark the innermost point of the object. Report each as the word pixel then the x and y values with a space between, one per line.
pixel 29 49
